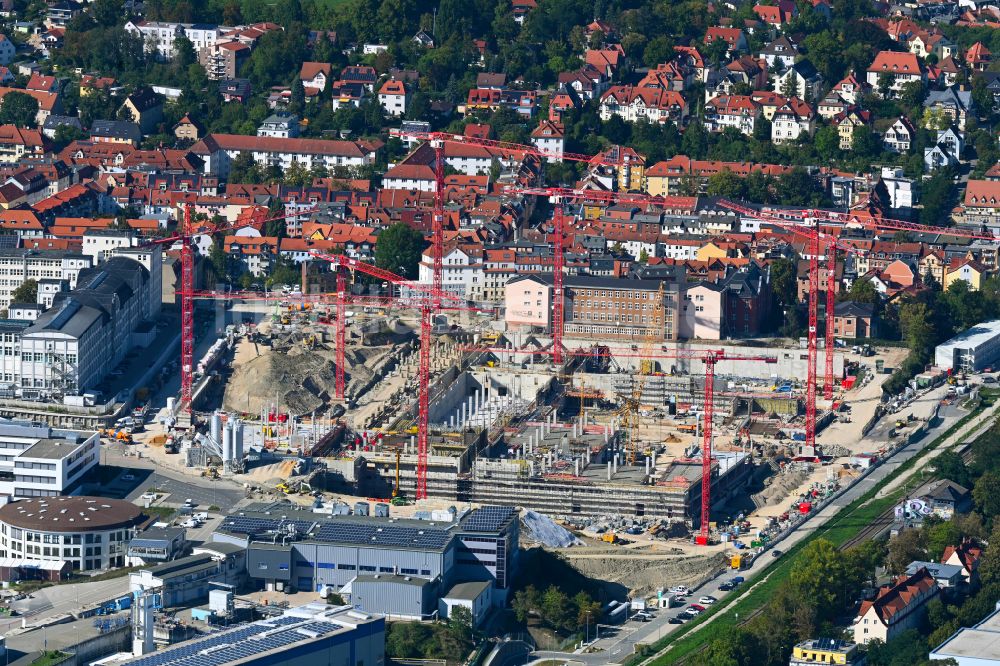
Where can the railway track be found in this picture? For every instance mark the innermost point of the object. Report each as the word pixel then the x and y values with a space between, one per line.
pixel 871 531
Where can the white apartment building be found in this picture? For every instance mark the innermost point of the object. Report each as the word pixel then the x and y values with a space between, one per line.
pixel 159 36
pixel 461 274
pixel 100 244
pixel 218 151
pixel 37 461
pixel 18 265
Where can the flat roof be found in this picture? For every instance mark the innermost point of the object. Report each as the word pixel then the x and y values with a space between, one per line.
pixel 395 579
pixel 975 336
pixel 182 566
pixel 70 514
pixel 251 642
pixel 972 643
pixel 51 449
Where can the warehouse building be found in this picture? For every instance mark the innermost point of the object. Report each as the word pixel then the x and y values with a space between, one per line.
pixel 972 350
pixel 91 533
pixel 311 634
pixel 289 549
pixel 39 461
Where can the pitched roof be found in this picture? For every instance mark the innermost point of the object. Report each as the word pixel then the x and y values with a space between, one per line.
pixel 896 63
pixel 309 70
pixel 898 597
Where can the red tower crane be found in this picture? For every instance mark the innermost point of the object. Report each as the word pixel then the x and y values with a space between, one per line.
pixel 710 357
pixel 187 293
pixel 433 298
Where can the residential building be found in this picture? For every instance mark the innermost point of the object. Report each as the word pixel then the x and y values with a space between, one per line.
pixel 222 60
pixel 362 74
pixel 899 137
pixel 739 111
pixel 978 57
pixel 235 90
pixel 833 651
pixel 632 103
pixel 394 96
pixel 17 144
pixel 279 126
pixel 48 102
pixel 982 202
pixel 347 93
pixel 801 80
pixel 946 151
pixel 896 608
pixel 116 131
pixel 947 107
pixel 967 270
pixel 966 555
pixel 780 54
pixel 550 138
pixel 217 151
pixel 188 129
pixel 160 37
pixel 315 75
pixel 849 121
pixel 7 50
pixel 255 254
pixel 947 576
pixel 734 38
pixel 854 320
pixel 145 108
pixel 894 70
pixel 54 122
pixel 792 120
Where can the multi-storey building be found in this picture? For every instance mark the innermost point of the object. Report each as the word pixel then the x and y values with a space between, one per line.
pixel 218 150
pixel 38 461
pixel 18 265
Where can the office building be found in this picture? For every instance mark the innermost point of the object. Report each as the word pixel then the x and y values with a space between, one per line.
pixel 91 533
pixel 18 265
pixel 38 461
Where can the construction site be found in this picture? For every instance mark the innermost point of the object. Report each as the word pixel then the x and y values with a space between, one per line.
pixel 645 449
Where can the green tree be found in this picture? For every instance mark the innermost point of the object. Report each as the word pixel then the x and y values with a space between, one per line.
pixel 19 109
pixel 862 291
pixel 916 325
pixel 989 566
pixel 725 184
pixel 905 547
pixel 985 495
pixel 738 647
pixel 949 465
pixel 26 292
pixel 526 602
pixel 556 608
pixel 399 249
pixel 940 534
pixel 864 142
pixel 819 574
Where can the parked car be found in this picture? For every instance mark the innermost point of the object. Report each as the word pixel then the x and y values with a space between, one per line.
pixel 736 580
pixel 692 612
pixel 680 589
pixel 697 607
pixel 776 553
pixel 676 620
pixel 707 600
pixel 726 587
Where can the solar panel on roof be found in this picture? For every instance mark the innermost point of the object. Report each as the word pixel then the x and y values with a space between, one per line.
pixel 488 518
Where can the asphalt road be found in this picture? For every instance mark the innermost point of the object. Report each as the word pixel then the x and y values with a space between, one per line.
pixel 619 647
